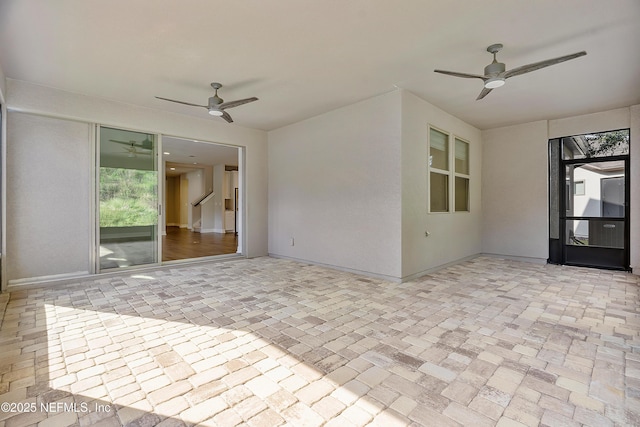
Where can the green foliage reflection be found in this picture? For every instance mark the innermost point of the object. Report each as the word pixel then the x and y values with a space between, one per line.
pixel 127 197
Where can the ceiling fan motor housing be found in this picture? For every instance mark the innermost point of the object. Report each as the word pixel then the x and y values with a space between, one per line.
pixel 214 101
pixel 494 69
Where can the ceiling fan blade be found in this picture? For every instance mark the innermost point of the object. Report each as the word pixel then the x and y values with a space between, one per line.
pixel 227 117
pixel 465 75
pixel 483 93
pixel 542 64
pixel 141 145
pixel 182 102
pixel 130 143
pixel 232 104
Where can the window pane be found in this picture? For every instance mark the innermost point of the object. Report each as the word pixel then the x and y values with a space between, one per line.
pixel 598 189
pixel 128 198
pixel 439 150
pixel 462 194
pixel 462 157
pixel 591 145
pixel 605 233
pixel 439 194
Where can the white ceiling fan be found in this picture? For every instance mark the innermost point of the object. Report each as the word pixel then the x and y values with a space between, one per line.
pixel 216 105
pixel 495 73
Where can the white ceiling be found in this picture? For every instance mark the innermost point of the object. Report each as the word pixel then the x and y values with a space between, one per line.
pixel 304 57
pixel 186 155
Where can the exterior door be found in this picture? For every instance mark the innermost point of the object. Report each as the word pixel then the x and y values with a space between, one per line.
pixel 589 202
pixel 128 207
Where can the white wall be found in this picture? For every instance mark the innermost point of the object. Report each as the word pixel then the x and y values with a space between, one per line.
pixel 39 100
pixel 634 223
pixel 453 236
pixel 3 84
pixel 515 181
pixel 514 191
pixel 48 214
pixel 334 187
pixel 196 189
pixel 3 180
pixel 620 118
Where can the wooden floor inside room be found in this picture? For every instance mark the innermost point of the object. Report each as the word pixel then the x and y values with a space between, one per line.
pixel 181 243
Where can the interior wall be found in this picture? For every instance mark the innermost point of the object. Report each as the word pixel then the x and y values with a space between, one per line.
pixel 184 200
pixel 172 204
pixel 3 84
pixel 196 183
pixel 452 236
pixel 334 188
pixel 40 100
pixel 48 199
pixel 3 180
pixel 634 223
pixel 514 191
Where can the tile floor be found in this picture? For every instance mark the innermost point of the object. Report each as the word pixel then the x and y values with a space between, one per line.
pixel 269 342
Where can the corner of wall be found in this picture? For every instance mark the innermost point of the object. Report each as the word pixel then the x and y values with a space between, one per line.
pixel 3 86
pixel 634 125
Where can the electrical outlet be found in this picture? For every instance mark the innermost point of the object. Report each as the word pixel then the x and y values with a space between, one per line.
pixel 291 241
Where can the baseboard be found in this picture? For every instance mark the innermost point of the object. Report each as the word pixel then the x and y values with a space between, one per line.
pixel 62 279
pixel 340 268
pixel 438 267
pixel 15 284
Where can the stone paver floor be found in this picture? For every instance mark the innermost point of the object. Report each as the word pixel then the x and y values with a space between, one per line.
pixel 267 342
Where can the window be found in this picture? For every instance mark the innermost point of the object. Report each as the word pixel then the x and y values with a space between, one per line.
pixel 449 177
pixel 439 171
pixel 461 189
pixel 578 188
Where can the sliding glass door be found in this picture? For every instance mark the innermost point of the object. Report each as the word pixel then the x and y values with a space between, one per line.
pixel 128 206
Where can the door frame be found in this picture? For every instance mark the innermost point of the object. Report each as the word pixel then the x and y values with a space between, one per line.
pixel 95 250
pixel 583 256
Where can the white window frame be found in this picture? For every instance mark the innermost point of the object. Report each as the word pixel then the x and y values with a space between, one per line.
pixel 451 173
pixel 461 175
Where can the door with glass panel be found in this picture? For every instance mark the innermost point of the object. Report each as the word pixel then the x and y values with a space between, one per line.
pixel 591 188
pixel 128 206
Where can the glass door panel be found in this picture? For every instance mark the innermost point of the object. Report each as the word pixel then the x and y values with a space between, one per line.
pixel 128 199
pixel 595 210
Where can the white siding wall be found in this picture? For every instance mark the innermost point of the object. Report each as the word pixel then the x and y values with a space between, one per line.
pixel 453 236
pixel 514 191
pixel 334 187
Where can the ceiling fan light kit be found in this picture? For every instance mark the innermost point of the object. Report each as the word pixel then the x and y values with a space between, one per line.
pixel 495 74
pixel 493 82
pixel 216 105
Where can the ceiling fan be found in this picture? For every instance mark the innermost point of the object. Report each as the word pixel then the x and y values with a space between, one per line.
pixel 216 105
pixel 133 146
pixel 495 74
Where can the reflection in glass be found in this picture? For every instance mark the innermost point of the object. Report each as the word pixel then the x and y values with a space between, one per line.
pixel 594 145
pixel 605 233
pixel 462 157
pixel 462 194
pixel 439 192
pixel 596 189
pixel 438 150
pixel 128 203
